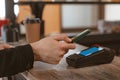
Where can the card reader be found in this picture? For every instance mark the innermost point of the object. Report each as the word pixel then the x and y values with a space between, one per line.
pixel 91 56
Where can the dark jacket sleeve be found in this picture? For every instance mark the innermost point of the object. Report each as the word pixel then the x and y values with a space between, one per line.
pixel 16 60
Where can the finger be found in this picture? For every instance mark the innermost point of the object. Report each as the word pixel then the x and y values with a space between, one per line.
pixel 70 46
pixel 1 48
pixel 7 46
pixel 4 46
pixel 66 46
pixel 62 37
pixel 63 52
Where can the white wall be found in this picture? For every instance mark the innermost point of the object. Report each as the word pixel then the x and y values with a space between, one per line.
pixel 74 16
pixel 2 8
pixel 112 12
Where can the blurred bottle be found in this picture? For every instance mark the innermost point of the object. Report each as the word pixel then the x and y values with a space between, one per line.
pixel 10 33
pixel 3 22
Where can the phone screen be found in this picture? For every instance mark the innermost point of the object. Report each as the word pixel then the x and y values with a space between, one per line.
pixel 90 51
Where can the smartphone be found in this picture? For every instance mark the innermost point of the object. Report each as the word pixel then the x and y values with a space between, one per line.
pixel 81 35
pixel 90 51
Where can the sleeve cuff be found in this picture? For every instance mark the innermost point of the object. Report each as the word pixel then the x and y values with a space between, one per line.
pixel 28 55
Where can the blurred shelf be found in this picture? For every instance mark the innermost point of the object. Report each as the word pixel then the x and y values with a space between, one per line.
pixel 62 2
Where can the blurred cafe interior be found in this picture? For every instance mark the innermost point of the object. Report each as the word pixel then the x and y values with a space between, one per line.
pixel 67 16
pixel 51 17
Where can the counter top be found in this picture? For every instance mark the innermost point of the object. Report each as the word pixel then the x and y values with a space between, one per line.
pixel 44 71
pixel 101 72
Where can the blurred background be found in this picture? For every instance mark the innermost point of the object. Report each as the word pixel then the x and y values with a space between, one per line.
pixel 68 16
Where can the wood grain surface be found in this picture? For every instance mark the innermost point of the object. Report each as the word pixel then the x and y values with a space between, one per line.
pixel 101 72
pixel 44 71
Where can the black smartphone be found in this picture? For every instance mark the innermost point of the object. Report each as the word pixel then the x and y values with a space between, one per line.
pixel 82 34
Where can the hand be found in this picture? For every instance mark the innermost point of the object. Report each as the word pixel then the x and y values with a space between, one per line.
pixel 5 46
pixel 52 49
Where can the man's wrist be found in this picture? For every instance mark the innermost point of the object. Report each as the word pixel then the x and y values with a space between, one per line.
pixel 34 48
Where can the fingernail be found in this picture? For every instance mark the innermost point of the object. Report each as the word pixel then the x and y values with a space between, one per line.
pixel 70 40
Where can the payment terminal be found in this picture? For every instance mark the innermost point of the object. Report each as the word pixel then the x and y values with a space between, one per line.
pixel 91 56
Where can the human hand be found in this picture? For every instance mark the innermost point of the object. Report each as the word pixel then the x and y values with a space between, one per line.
pixel 5 46
pixel 52 49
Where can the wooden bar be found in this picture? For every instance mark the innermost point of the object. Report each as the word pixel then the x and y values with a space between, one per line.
pixel 100 72
pixel 44 71
pixel 63 2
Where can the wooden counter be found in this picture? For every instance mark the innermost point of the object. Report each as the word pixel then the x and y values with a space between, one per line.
pixel 44 71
